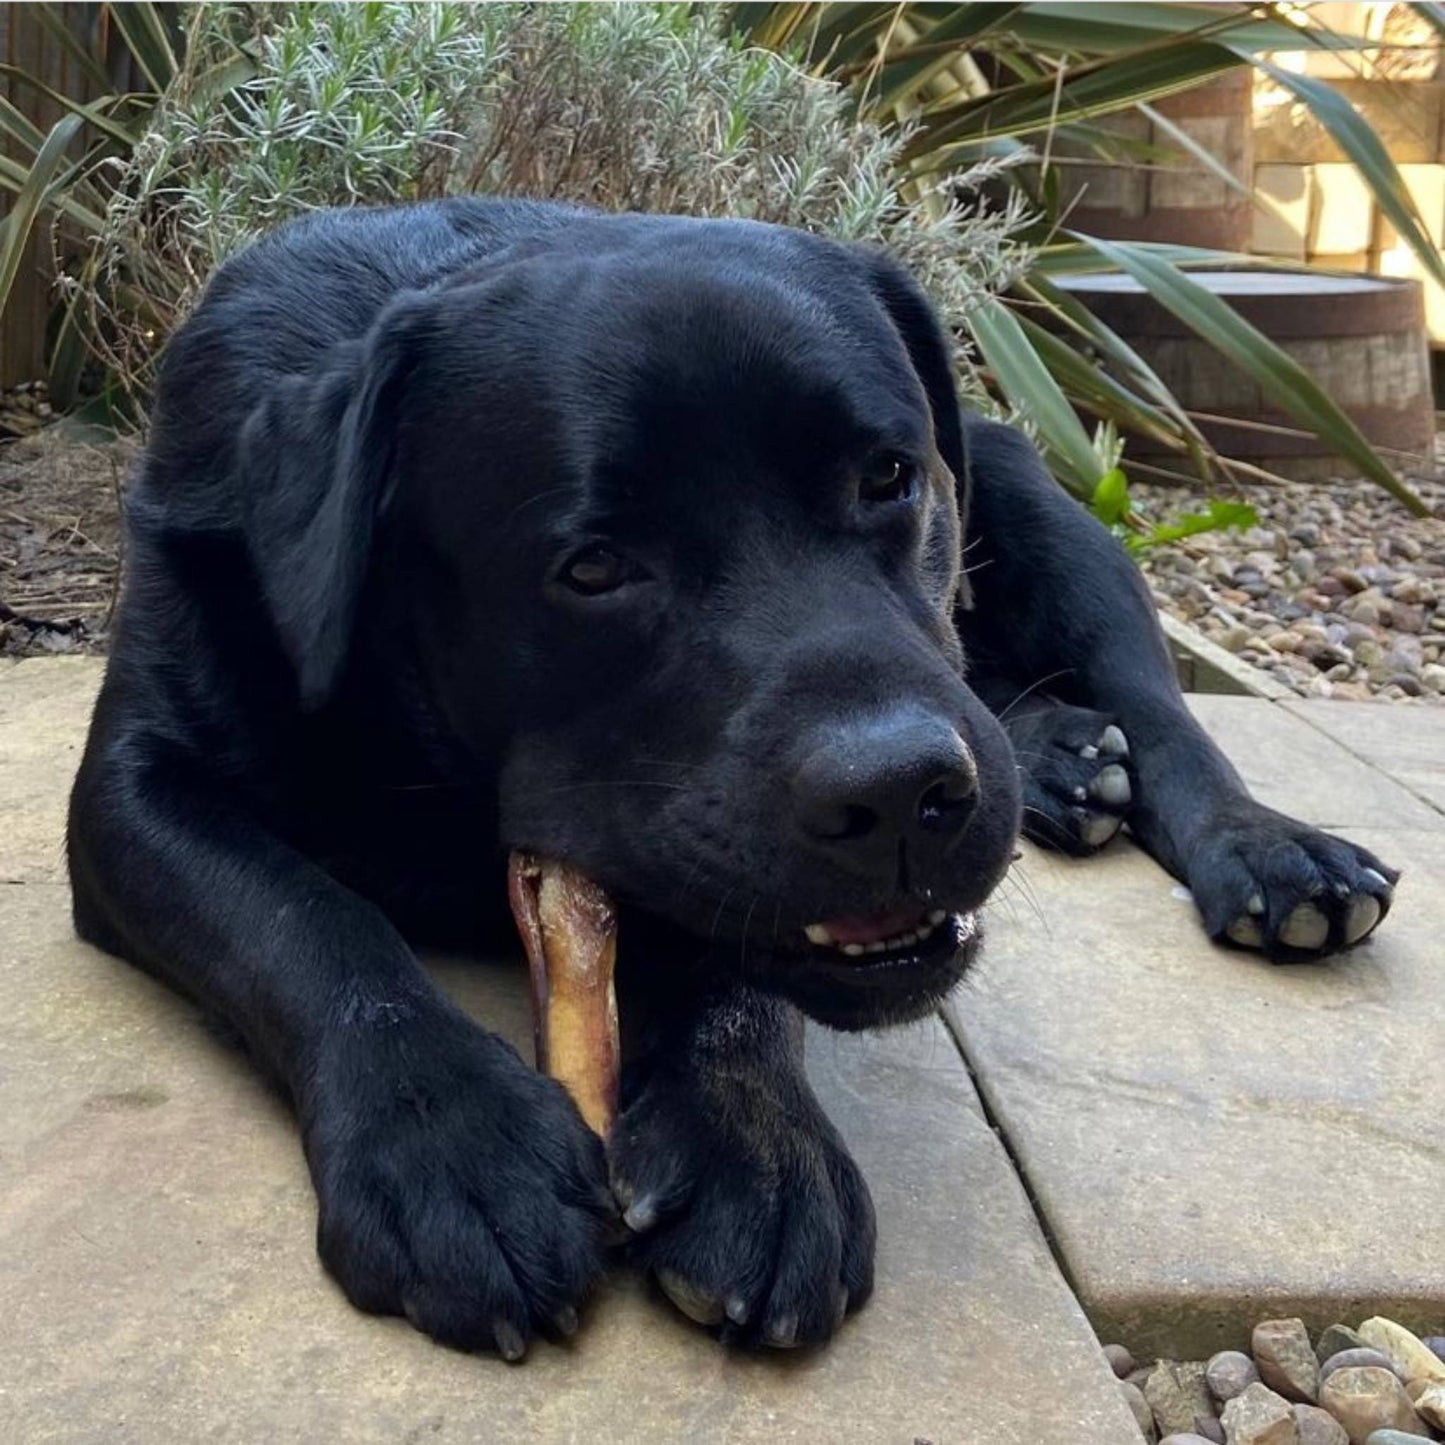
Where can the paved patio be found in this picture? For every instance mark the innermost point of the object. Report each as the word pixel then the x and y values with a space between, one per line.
pixel 1203 1138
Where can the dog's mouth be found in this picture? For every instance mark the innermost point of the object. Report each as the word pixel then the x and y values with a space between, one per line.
pixel 901 938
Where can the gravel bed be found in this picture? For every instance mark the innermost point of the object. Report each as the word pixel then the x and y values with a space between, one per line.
pixel 1339 592
pixel 1378 1384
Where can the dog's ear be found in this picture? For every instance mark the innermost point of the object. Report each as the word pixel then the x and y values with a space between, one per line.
pixel 316 469
pixel 932 357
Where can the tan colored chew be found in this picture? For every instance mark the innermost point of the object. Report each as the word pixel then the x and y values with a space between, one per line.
pixel 569 930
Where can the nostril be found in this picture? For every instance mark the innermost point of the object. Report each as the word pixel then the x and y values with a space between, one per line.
pixel 842 822
pixel 946 805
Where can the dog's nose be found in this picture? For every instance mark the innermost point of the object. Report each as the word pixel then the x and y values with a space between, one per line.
pixel 869 784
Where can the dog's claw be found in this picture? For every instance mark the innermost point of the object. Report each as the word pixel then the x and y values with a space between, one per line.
pixel 1364 914
pixel 783 1332
pixel 510 1344
pixel 737 1309
pixel 641 1214
pixel 1111 786
pixel 1255 904
pixel 1088 752
pixel 565 1321
pixel 1113 742
pixel 1378 879
pixel 1306 929
pixel 696 1305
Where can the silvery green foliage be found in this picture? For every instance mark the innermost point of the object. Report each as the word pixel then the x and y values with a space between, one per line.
pixel 625 106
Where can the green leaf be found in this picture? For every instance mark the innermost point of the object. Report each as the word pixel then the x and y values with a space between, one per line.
pixel 1110 502
pixel 1218 517
pixel 1025 381
pixel 28 201
pixel 1276 372
pixel 1356 137
pixel 143 28
pixel 93 111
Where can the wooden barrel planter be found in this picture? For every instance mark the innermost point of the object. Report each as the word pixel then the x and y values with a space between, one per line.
pixel 1362 338
pixel 1183 202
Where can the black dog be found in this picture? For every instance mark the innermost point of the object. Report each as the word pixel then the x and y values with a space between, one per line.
pixel 636 542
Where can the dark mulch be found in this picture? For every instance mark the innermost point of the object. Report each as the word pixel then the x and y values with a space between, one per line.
pixel 60 540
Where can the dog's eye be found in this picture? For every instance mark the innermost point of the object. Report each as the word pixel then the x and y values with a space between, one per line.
pixel 596 570
pixel 887 479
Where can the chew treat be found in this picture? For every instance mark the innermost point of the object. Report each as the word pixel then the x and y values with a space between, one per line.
pixel 570 933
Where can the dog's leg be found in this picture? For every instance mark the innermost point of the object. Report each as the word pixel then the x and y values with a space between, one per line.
pixel 456 1186
pixel 1064 628
pixel 741 1196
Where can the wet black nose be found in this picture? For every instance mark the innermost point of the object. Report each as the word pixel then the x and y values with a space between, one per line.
pixel 867 785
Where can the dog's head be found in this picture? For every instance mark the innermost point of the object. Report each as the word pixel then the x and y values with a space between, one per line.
pixel 675 507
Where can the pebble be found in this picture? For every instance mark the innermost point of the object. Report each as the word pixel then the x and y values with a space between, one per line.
pixel 1177 1393
pixel 1392 1437
pixel 1435 1344
pixel 1260 1417
pixel 1286 1360
pixel 1188 1438
pixel 1332 567
pixel 1413 1359
pixel 1120 1361
pixel 1318 1427
pixel 1143 1415
pixel 1364 1400
pixel 1356 1358
pixel 1229 1373
pixel 1429 1404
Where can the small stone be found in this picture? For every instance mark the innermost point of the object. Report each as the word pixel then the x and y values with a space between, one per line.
pixel 1318 1427
pixel 1406 682
pixel 1234 639
pixel 1369 654
pixel 1364 1400
pixel 1211 1428
pixel 1188 1438
pixel 1356 1359
pixel 1435 1344
pixel 1349 579
pixel 1410 1355
pixel 1392 1437
pixel 1429 1402
pixel 1230 1373
pixel 1260 1417
pixel 1286 1359
pixel 1432 679
pixel 1176 1392
pixel 1408 618
pixel 1120 1361
pixel 1143 1415
pixel 1286 641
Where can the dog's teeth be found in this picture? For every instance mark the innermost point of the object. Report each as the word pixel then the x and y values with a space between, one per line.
pixel 874 947
pixel 853 950
pixel 937 916
pixel 818 933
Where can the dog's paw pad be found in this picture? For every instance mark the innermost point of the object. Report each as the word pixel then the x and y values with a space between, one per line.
pixel 696 1303
pixel 1365 912
pixel 1306 929
pixel 1095 829
pixel 1111 786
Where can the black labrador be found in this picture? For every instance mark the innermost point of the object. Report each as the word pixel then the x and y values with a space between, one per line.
pixel 638 542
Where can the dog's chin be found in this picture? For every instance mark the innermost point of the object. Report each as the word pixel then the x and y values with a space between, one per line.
pixel 851 992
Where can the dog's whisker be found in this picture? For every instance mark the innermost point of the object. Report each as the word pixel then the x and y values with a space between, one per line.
pixel 1033 687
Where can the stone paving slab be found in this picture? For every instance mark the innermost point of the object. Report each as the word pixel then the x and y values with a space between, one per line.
pixel 1211 1140
pixel 1408 742
pixel 158 1279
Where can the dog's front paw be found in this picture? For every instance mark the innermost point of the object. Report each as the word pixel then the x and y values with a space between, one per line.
pixel 1262 880
pixel 746 1205
pixel 1076 775
pixel 457 1187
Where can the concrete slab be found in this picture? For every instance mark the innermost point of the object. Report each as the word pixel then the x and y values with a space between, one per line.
pixel 1211 1140
pixel 158 1280
pixel 1313 772
pixel 1406 742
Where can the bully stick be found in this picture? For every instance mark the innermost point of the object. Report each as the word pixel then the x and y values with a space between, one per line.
pixel 569 931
